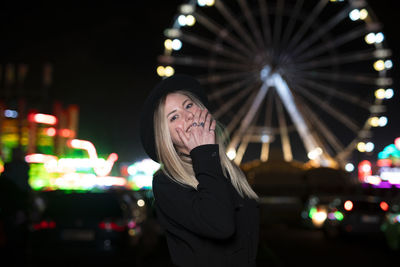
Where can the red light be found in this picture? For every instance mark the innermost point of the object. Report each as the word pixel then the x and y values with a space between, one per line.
pixel 348 205
pixel 66 133
pixel 111 226
pixel 44 225
pixel 50 131
pixel 384 206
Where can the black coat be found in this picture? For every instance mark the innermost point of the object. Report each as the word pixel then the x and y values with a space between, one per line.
pixel 212 226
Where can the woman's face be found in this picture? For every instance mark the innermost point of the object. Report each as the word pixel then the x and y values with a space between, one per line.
pixel 179 111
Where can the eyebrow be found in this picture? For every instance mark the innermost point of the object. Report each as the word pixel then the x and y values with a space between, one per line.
pixel 183 104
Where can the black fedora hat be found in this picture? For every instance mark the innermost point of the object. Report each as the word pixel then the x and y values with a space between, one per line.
pixel 168 85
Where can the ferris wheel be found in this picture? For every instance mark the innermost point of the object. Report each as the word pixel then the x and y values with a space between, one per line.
pixel 303 79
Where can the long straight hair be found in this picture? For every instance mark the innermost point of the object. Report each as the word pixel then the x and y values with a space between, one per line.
pixel 179 167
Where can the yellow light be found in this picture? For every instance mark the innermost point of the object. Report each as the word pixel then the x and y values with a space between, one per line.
pixel 161 71
pixel 361 147
pixel 210 2
pixel 363 14
pixel 379 65
pixel 374 121
pixel 168 44
pixel 380 93
pixel 169 71
pixel 190 20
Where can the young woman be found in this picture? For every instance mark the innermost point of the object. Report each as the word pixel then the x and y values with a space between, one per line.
pixel 202 199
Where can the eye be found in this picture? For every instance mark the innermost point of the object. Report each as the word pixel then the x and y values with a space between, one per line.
pixel 173 118
pixel 189 105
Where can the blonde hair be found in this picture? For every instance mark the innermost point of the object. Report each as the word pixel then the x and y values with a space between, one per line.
pixel 179 168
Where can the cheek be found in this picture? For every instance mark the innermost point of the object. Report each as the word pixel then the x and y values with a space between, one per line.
pixel 174 135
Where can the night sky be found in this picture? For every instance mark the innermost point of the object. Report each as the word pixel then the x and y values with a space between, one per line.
pixel 104 57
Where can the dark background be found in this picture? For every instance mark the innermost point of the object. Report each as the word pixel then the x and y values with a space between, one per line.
pixel 104 55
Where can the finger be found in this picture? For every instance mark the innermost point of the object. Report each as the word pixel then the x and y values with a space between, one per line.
pixel 182 136
pixel 197 115
pixel 213 125
pixel 203 116
pixel 207 122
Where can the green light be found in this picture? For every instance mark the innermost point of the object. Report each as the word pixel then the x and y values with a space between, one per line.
pixel 338 215
pixel 313 210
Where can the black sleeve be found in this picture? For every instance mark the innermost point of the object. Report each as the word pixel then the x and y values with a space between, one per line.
pixel 207 211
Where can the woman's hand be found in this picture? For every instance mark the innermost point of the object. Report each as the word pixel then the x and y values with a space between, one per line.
pixel 202 131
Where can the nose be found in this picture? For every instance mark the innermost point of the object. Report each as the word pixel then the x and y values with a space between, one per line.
pixel 189 115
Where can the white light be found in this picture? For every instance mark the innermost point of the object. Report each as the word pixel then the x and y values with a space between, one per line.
pixel 383 121
pixel 370 38
pixel 389 93
pixel 265 138
pixel 349 167
pixel 201 2
pixel 313 154
pixel 182 20
pixel 379 37
pixel 231 153
pixel 141 203
pixel 169 71
pixel 186 8
pixel 354 14
pixel 369 147
pixel 388 64
pixel 176 44
pixel 319 217
pixel 9 113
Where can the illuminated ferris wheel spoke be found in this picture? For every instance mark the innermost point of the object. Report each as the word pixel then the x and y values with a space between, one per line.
pixel 336 42
pixel 322 30
pixel 328 108
pixel 221 32
pixel 265 21
pixel 287 98
pixel 343 59
pixel 351 78
pixel 335 92
pixel 233 123
pixel 268 124
pixel 234 100
pixel 248 119
pixel 253 25
pixel 225 12
pixel 219 77
pixel 277 25
pixel 210 46
pixel 286 147
pixel 292 22
pixel 307 23
pixel 201 62
pixel 232 87
pixel 322 127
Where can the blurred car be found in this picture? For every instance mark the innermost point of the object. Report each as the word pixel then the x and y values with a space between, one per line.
pixel 391 225
pixel 80 223
pixel 355 215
